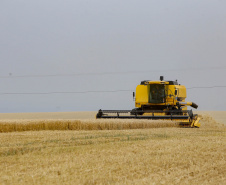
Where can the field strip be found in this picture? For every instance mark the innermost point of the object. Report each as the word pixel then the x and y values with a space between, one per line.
pixel 84 124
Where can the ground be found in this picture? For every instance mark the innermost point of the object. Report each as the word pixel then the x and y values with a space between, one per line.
pixel 168 155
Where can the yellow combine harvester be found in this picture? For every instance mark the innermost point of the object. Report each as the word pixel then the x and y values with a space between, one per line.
pixel 164 100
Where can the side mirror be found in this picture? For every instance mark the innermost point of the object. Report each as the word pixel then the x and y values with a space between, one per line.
pixel 175 92
pixel 133 95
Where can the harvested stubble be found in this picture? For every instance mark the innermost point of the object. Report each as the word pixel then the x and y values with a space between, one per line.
pixel 88 124
pixel 138 156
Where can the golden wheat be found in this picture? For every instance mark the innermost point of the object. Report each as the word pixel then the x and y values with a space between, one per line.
pixel 86 124
pixel 130 156
pixel 12 125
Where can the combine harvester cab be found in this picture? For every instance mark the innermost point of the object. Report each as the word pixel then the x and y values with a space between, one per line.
pixel 158 100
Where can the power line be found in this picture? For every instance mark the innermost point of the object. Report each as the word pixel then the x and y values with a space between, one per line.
pixel 83 92
pixel 210 87
pixel 112 73
pixel 72 92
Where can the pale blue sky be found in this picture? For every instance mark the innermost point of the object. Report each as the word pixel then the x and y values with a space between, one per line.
pixel 109 36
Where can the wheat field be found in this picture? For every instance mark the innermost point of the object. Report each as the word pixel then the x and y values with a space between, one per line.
pixel 124 155
pixel 85 124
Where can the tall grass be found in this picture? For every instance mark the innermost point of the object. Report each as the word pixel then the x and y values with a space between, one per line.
pixel 88 124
